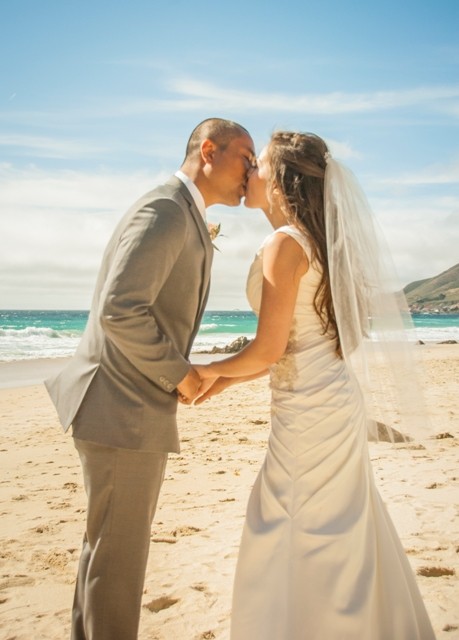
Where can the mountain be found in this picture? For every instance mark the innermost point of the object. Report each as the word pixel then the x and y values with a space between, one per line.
pixel 439 294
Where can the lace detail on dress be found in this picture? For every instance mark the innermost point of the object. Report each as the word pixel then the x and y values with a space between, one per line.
pixel 284 372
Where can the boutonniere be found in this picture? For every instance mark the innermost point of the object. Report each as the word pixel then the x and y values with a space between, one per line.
pixel 214 232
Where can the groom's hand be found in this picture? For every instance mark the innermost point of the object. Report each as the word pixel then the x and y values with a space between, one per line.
pixel 188 388
pixel 215 386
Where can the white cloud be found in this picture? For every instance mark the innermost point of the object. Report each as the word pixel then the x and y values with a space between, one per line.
pixel 434 174
pixel 242 232
pixel 342 150
pixel 422 233
pixel 194 95
pixel 419 214
pixel 54 227
pixel 76 190
pixel 45 147
pixel 53 230
pixel 190 95
pixel 325 103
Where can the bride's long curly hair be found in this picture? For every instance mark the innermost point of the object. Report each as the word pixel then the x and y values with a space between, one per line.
pixel 298 164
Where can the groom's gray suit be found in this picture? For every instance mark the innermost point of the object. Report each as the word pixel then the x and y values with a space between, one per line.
pixel 118 392
pixel 118 389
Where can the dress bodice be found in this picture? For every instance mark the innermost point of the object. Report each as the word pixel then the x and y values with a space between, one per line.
pixel 308 285
pixel 306 333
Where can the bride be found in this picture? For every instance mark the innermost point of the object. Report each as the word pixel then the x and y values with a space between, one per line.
pixel 319 558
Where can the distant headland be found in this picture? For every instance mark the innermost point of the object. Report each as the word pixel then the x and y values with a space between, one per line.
pixel 439 294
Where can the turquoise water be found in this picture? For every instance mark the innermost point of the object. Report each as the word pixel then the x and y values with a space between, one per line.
pixel 435 321
pixel 27 335
pixel 54 321
pixel 226 323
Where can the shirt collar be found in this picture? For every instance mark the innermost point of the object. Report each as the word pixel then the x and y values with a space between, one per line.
pixel 195 193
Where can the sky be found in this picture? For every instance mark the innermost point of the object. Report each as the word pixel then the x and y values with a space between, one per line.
pixel 97 100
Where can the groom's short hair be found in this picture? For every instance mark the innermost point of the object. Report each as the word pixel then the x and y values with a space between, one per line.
pixel 220 131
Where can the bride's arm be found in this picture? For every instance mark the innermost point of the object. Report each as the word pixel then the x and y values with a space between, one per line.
pixel 284 262
pixel 211 387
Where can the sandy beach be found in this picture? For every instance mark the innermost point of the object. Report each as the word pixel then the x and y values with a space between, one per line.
pixel 198 524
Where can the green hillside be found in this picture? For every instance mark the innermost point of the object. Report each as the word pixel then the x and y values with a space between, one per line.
pixel 439 294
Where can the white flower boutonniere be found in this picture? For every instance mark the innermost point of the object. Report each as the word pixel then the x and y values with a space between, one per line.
pixel 214 232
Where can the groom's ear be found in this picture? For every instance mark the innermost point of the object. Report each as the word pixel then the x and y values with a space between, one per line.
pixel 208 149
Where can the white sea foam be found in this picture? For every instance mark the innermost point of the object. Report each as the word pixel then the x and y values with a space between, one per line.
pixel 36 342
pixel 208 327
pixel 206 342
pixel 44 342
pixel 434 334
pixel 30 332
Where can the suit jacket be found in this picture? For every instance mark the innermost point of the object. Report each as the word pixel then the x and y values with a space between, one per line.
pixel 153 284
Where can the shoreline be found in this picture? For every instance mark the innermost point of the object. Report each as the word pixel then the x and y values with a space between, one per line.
pixel 29 373
pixel 26 373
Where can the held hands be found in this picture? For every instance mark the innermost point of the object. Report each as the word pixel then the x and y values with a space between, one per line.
pixel 207 379
pixel 200 384
pixel 188 388
pixel 219 385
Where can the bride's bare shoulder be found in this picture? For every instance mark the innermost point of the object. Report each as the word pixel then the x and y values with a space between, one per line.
pixel 283 252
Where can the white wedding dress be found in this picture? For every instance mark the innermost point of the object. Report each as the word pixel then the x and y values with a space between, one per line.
pixel 319 558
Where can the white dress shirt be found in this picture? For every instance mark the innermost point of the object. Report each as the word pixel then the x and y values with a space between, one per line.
pixel 195 193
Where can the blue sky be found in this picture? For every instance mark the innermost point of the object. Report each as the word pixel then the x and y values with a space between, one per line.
pixel 97 100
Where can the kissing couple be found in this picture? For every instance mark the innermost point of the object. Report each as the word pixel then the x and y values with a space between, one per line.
pixel 319 558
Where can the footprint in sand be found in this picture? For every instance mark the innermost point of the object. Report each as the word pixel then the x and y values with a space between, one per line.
pixel 435 572
pixel 20 497
pixel 159 604
pixel 15 581
pixel 71 486
pixel 165 539
pixel 46 528
pixel 60 505
pixel 185 531
pixel 54 560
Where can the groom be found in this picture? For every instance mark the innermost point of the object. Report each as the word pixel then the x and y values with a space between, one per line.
pixel 119 391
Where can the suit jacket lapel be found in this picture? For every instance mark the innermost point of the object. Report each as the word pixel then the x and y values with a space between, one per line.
pixel 203 232
pixel 199 220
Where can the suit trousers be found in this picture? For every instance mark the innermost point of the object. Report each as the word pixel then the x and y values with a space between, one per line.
pixel 122 486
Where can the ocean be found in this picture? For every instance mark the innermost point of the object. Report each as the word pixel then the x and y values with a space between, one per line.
pixel 27 335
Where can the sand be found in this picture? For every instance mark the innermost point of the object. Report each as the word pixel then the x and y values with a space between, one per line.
pixel 197 528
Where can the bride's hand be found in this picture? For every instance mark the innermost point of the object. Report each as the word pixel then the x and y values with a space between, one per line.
pixel 207 379
pixel 219 385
